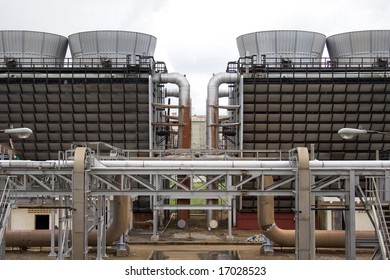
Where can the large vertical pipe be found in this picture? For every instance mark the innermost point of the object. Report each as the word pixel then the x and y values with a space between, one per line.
pixel 241 102
pixel 184 137
pixel 212 119
pixel 212 105
pixel 184 103
pixel 151 136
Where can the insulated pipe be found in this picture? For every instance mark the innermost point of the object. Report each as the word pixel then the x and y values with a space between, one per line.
pixel 286 238
pixel 172 92
pixel 250 164
pixel 201 164
pixel 120 222
pixel 223 93
pixel 212 121
pixel 184 138
pixel 212 105
pixel 184 103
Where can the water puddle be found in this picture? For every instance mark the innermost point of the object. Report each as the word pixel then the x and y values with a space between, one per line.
pixel 194 255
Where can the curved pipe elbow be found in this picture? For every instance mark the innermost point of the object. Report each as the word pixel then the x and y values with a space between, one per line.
pixel 286 237
pixel 177 79
pixel 216 81
pixel 212 104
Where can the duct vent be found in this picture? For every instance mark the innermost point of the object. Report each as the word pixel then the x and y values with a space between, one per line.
pixel 110 48
pixel 283 48
pixel 40 211
pixel 32 49
pixel 370 48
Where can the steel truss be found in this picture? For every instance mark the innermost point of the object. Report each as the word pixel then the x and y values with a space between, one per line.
pixel 105 177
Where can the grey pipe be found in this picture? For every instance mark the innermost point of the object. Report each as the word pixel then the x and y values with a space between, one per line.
pixel 212 120
pixel 184 101
pixel 178 79
pixel 212 105
pixel 201 164
pixel 185 128
pixel 172 92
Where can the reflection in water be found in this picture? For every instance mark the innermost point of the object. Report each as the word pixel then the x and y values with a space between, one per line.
pixel 195 255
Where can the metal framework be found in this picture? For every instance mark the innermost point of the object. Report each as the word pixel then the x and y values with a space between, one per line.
pixel 280 104
pixel 306 102
pixel 85 102
pixel 106 176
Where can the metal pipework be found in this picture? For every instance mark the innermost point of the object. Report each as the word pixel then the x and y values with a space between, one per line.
pixel 242 164
pixel 172 92
pixel 198 164
pixel 212 120
pixel 80 242
pixel 33 238
pixel 184 102
pixel 286 238
pixel 184 137
pixel 170 164
pixel 212 105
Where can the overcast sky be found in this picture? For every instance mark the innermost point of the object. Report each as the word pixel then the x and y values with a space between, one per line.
pixel 198 37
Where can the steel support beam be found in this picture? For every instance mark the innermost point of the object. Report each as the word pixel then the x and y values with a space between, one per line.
pixel 52 228
pixel 155 201
pixel 101 232
pixel 350 226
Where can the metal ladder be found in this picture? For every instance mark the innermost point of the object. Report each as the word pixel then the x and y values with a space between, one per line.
pixel 5 211
pixel 380 213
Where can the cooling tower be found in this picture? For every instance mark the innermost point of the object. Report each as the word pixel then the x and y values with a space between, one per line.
pixel 31 48
pixel 360 48
pixel 107 47
pixel 282 46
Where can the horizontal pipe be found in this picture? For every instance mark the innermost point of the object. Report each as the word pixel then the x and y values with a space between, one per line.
pixel 172 92
pixel 313 165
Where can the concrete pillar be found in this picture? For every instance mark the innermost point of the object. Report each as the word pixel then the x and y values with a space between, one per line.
pixel 79 199
pixel 304 233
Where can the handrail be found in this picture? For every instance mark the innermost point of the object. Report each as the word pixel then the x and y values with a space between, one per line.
pixel 85 62
pixel 106 151
pixel 378 230
pixel 246 63
pixel 6 150
pixel 5 194
pixel 5 209
pixel 379 219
